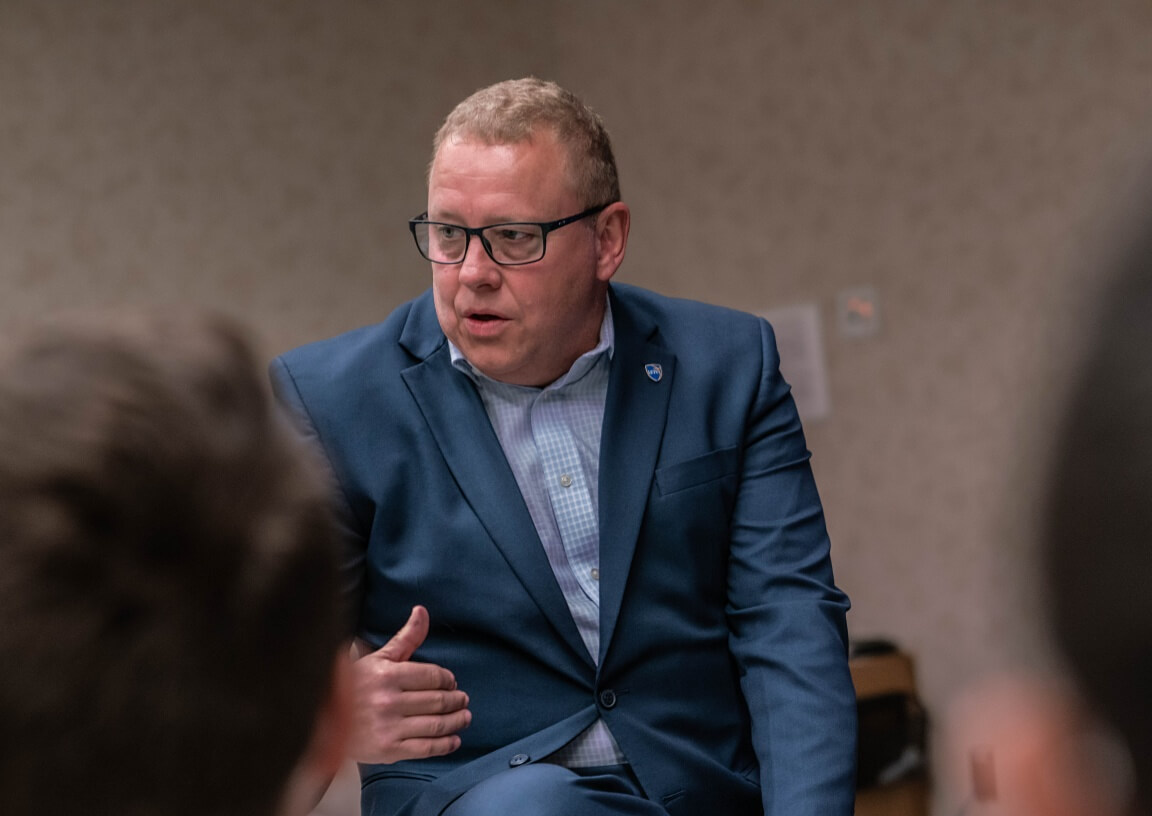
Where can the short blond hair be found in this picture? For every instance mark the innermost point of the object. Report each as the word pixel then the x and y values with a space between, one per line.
pixel 514 110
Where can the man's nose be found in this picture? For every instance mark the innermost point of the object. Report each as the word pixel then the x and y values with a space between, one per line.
pixel 478 269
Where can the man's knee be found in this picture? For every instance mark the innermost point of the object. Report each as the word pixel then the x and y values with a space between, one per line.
pixel 541 789
pixel 537 788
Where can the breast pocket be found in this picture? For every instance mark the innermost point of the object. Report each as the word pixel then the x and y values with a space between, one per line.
pixel 698 471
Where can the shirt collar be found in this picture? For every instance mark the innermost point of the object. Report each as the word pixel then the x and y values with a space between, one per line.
pixel 582 365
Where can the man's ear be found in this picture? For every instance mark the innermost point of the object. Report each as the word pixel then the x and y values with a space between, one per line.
pixel 327 749
pixel 1038 751
pixel 612 225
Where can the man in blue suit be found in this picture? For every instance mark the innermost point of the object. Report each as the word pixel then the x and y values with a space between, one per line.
pixel 591 503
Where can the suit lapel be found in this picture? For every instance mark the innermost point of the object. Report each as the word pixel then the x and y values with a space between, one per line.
pixel 459 424
pixel 634 420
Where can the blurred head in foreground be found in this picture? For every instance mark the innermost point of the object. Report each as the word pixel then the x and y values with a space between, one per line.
pixel 170 631
pixel 1085 746
pixel 1098 541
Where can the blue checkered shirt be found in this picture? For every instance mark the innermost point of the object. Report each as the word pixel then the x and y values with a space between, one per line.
pixel 551 438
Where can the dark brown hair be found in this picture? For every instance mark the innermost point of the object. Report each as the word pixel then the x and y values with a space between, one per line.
pixel 168 574
pixel 1098 538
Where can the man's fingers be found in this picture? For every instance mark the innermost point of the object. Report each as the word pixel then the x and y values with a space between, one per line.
pixel 406 709
pixel 405 642
pixel 417 703
pixel 393 678
pixel 433 726
pixel 424 748
pixel 425 677
pixel 420 737
pixel 416 735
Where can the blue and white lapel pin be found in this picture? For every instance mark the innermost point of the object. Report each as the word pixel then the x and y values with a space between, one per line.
pixel 654 371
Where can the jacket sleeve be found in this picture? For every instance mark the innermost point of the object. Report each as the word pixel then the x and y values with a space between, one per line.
pixel 786 616
pixel 288 394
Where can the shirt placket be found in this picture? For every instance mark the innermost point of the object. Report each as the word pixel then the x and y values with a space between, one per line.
pixel 574 512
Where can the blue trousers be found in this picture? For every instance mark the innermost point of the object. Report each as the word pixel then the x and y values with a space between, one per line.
pixel 542 789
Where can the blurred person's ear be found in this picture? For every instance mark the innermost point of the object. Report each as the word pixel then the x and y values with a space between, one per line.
pixel 1030 748
pixel 327 749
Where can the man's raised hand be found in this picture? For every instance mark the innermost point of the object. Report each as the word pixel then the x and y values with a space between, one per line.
pixel 404 709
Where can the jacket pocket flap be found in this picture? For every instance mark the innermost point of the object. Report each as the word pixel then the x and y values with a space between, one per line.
pixel 702 469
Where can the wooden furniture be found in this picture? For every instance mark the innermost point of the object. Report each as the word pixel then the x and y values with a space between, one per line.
pixel 885 684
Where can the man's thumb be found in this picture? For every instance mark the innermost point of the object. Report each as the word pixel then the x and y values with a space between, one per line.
pixel 405 642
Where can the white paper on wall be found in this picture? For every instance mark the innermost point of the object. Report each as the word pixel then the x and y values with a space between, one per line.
pixel 801 345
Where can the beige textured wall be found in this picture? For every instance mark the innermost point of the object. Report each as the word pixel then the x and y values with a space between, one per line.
pixel 261 157
pixel 961 157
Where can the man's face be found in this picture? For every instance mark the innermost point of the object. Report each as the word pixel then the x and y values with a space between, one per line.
pixel 517 324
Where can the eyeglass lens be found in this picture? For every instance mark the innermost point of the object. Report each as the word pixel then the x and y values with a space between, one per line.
pixel 505 243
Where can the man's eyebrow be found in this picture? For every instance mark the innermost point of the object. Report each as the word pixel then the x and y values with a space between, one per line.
pixel 453 218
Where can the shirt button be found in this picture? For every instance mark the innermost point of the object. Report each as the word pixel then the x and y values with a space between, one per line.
pixel 595 574
pixel 608 698
pixel 518 760
pixel 566 480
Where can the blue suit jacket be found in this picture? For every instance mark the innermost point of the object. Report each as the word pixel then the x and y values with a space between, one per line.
pixel 722 674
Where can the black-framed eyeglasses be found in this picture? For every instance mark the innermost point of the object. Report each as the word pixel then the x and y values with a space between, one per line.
pixel 511 243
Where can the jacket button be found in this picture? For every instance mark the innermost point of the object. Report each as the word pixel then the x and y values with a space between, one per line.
pixel 608 698
pixel 517 760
